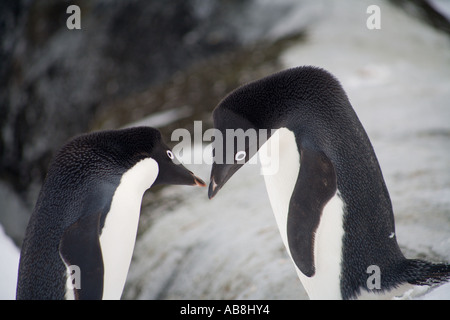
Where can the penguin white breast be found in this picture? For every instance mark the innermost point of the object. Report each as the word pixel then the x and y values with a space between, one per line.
pixel 281 151
pixel 119 232
pixel 325 283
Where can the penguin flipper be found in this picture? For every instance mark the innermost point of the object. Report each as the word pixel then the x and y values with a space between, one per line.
pixel 316 184
pixel 80 246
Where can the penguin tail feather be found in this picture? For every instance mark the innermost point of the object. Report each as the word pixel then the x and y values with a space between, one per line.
pixel 421 272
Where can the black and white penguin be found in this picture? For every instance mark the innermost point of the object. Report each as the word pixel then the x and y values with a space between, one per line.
pixel 87 213
pixel 328 195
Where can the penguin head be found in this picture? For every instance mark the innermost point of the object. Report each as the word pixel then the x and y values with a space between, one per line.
pixel 171 171
pixel 239 141
pixel 245 111
pixel 116 151
pixel 148 143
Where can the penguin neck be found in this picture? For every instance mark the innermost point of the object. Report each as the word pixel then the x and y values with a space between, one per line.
pixel 118 235
pixel 282 153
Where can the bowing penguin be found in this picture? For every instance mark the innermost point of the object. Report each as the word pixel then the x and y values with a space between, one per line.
pixel 81 234
pixel 328 195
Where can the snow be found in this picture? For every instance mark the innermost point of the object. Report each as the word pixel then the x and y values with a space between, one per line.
pixel 8 267
pixel 398 80
pixel 439 293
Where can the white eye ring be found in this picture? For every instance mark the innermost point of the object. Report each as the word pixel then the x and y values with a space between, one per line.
pixel 170 154
pixel 240 156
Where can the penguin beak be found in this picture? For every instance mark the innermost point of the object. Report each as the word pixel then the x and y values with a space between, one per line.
pixel 220 174
pixel 198 182
pixel 178 175
pixel 213 189
pixel 193 179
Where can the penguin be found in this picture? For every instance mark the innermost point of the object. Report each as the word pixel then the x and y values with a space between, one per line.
pixel 328 195
pixel 80 237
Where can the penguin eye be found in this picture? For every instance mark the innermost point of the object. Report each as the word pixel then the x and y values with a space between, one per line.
pixel 170 154
pixel 240 156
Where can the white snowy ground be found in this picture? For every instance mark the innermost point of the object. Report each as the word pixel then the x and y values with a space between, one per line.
pixel 398 80
pixel 8 267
